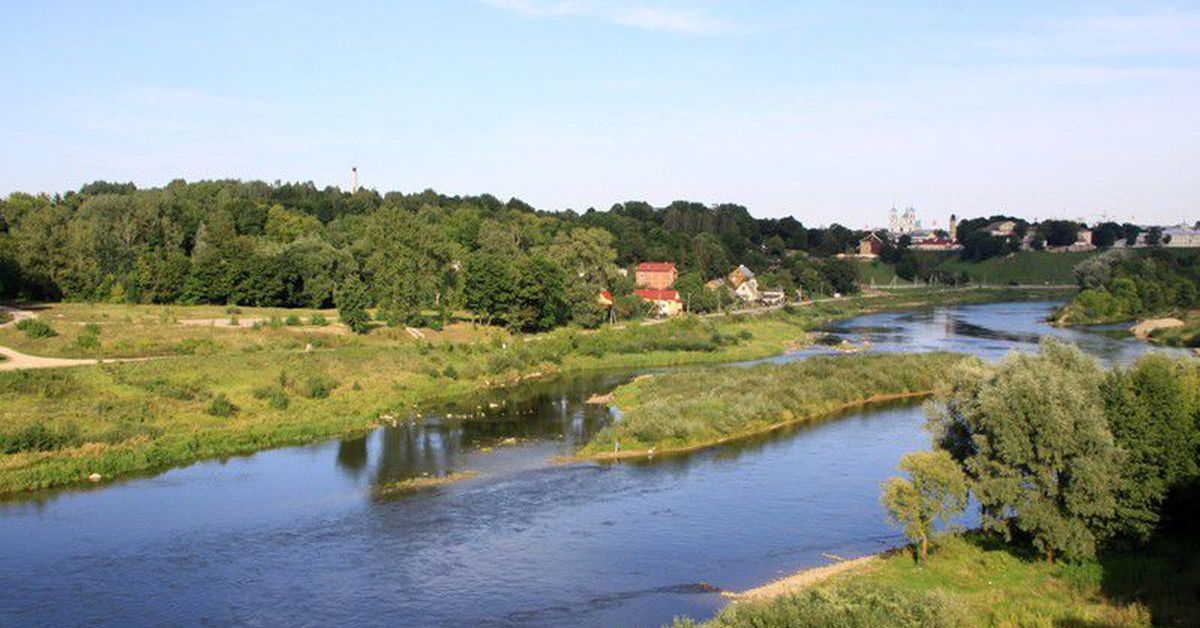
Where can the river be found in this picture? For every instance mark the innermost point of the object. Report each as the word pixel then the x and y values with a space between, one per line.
pixel 296 537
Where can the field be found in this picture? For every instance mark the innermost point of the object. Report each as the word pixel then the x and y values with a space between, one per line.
pixel 973 580
pixel 695 408
pixel 1024 267
pixel 213 391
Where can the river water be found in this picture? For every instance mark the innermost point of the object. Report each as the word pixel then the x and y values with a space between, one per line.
pixel 296 537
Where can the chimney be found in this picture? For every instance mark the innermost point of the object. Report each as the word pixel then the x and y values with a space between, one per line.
pixel 354 180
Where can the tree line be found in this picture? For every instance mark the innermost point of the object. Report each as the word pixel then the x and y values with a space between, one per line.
pixel 415 258
pixel 1122 285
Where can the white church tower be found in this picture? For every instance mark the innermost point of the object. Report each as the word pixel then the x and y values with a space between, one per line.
pixel 354 180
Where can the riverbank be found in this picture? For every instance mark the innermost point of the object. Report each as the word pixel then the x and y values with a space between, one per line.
pixel 236 391
pixel 695 409
pixel 974 580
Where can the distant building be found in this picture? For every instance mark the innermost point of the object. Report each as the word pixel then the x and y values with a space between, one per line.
pixel 655 275
pixel 1002 228
pixel 1181 236
pixel 953 228
pixel 773 297
pixel 666 302
pixel 902 223
pixel 605 298
pixel 744 284
pixel 870 246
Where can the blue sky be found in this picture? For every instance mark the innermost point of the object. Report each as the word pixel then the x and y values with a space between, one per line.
pixel 825 110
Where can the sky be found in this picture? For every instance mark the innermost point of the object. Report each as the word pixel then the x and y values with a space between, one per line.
pixel 826 111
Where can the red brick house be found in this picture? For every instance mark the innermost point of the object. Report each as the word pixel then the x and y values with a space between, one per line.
pixel 655 275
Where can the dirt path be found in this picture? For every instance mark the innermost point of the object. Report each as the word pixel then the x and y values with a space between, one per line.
pixel 16 314
pixel 16 360
pixel 800 580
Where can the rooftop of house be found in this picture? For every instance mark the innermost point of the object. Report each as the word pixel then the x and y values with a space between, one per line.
pixel 655 267
pixel 657 295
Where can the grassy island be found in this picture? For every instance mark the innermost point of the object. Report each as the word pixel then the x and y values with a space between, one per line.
pixel 692 409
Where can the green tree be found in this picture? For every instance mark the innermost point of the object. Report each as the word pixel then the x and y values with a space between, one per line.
pixel 1032 436
pixel 1152 409
pixel 935 491
pixel 352 301
pixel 410 266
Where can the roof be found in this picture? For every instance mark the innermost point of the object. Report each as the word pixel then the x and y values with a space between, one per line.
pixel 746 272
pixel 871 236
pixel 657 295
pixel 655 267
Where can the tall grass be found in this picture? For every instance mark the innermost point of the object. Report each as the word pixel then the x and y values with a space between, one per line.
pixel 696 407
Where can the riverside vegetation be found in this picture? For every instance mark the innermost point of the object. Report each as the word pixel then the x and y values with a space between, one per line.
pixel 1098 469
pixel 219 391
pixel 696 408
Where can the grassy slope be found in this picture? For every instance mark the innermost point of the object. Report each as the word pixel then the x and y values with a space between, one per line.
pixel 878 273
pixel 1025 267
pixel 126 418
pixel 688 409
pixel 976 582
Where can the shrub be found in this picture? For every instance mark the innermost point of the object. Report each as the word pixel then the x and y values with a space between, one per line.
pixel 275 322
pixel 233 310
pixel 37 437
pixel 221 406
pixel 450 371
pixel 36 329
pixel 318 387
pixel 89 338
pixel 275 396
pixel 292 320
pixel 318 320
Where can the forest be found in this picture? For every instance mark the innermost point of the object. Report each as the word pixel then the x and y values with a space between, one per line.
pixel 416 258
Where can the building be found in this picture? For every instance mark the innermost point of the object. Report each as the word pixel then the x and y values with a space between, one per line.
pixel 605 299
pixel 773 297
pixel 655 275
pixel 1002 228
pixel 902 223
pixel 953 228
pixel 935 244
pixel 1181 236
pixel 665 302
pixel 744 284
pixel 870 246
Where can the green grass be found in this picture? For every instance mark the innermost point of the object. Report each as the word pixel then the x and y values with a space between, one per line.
pixel 979 581
pixel 126 418
pixel 1024 267
pixel 875 272
pixel 694 408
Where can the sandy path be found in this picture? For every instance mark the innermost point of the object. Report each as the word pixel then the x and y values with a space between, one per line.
pixel 17 360
pixel 17 315
pixel 800 580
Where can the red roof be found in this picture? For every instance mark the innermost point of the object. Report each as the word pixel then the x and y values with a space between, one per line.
pixel 655 267
pixel 657 295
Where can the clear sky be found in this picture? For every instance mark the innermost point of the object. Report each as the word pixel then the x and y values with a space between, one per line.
pixel 823 110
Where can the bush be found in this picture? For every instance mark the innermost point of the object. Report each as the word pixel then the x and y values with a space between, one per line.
pixel 275 396
pixel 88 340
pixel 221 406
pixel 195 346
pixel 292 320
pixel 318 320
pixel 37 437
pixel 275 322
pixel 318 387
pixel 450 372
pixel 36 329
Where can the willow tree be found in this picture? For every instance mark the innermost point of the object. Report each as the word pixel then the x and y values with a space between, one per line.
pixel 1032 437
pixel 935 491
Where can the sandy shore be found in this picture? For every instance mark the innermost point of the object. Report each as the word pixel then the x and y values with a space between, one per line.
pixel 801 579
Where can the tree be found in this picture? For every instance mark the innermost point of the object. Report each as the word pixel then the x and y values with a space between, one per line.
pixel 489 285
pixel 936 491
pixel 1152 408
pixel 352 301
pixel 410 266
pixel 1032 436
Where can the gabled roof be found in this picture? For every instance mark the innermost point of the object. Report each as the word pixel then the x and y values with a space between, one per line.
pixel 657 295
pixel 655 267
